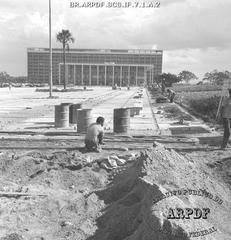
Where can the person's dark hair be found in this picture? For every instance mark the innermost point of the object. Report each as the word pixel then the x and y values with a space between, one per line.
pixel 100 120
pixel 229 91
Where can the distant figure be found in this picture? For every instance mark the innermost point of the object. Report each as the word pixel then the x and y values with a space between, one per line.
pixel 94 136
pixel 163 87
pixel 114 87
pixel 226 115
pixel 10 86
pixel 171 95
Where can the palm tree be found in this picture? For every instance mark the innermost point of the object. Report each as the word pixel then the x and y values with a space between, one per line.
pixel 65 37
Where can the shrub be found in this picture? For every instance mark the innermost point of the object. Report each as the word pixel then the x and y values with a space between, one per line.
pixel 205 106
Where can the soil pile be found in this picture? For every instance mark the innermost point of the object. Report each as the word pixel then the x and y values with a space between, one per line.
pixel 60 204
pixel 142 200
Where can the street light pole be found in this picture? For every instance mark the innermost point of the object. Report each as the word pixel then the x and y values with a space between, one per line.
pixel 50 47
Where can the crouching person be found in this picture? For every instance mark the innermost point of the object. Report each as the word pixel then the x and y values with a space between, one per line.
pixel 94 136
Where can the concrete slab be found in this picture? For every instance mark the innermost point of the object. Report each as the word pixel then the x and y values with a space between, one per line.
pixel 17 102
pixel 139 123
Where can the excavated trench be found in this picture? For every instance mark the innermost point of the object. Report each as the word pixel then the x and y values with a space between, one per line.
pixel 135 211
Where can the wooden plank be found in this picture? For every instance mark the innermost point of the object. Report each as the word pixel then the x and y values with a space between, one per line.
pixel 20 194
pixel 219 108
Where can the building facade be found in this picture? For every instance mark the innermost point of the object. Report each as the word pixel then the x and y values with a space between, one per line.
pixel 104 67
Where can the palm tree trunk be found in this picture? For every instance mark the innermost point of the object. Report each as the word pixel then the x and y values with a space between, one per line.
pixel 64 63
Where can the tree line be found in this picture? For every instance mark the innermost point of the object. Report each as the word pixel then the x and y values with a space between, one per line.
pixel 214 77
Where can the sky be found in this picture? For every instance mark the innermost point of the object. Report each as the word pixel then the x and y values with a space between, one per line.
pixel 194 35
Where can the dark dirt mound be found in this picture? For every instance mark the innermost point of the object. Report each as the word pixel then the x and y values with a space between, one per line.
pixel 13 236
pixel 223 169
pixel 136 210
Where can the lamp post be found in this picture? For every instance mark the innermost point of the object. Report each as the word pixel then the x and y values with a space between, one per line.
pixel 50 53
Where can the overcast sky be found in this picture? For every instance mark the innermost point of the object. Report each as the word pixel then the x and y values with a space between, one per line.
pixel 195 35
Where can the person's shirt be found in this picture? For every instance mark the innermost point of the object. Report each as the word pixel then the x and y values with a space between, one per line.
pixel 226 108
pixel 93 131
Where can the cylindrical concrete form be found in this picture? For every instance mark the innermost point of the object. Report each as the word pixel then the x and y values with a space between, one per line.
pixel 137 110
pixel 132 111
pixel 61 116
pixel 73 112
pixel 66 104
pixel 84 119
pixel 121 121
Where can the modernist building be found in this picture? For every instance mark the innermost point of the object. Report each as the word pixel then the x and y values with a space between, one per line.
pixel 105 67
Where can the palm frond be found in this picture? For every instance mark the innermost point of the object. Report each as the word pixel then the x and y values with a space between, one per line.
pixel 65 37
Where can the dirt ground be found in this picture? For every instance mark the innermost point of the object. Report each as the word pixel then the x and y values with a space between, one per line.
pixel 62 203
pixel 51 188
pixel 68 195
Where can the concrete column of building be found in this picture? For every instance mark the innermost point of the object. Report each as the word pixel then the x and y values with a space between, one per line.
pixel 82 75
pixel 113 75
pixel 105 75
pixel 145 75
pixel 59 73
pixel 120 76
pixel 90 75
pixel 136 75
pixel 150 75
pixel 129 75
pixel 97 75
pixel 74 74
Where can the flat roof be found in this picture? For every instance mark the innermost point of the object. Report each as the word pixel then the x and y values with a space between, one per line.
pixel 109 64
pixel 99 51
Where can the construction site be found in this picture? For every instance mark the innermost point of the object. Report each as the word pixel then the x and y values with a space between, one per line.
pixel 160 174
